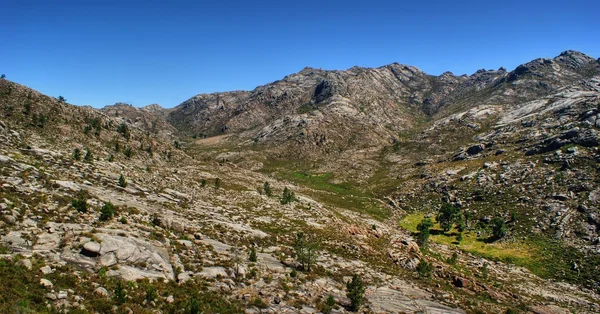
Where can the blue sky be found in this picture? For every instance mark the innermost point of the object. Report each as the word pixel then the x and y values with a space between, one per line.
pixel 167 51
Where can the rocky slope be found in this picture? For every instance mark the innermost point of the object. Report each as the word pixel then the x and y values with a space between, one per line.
pixel 384 149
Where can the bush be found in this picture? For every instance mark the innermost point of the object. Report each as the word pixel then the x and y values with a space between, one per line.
pixel 423 228
pixel 287 196
pixel 122 182
pixel 252 257
pixel 107 211
pixel 424 269
pixel 88 156
pixel 124 130
pixel 267 188
pixel 448 216
pixel 356 291
pixel 498 228
pixel 80 204
pixel 217 183
pixel 306 251
pixel 76 154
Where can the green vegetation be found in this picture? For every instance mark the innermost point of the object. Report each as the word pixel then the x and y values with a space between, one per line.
pixel 498 228
pixel 76 154
pixel 252 257
pixel 306 251
pixel 122 182
pixel 107 211
pixel 267 189
pixel 423 236
pixel 424 269
pixel 448 216
pixel 288 196
pixel 62 99
pixel 217 183
pixel 88 156
pixel 355 293
pixel 80 203
pixel 124 130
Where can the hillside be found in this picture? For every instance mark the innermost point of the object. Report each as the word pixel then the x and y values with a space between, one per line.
pixel 146 210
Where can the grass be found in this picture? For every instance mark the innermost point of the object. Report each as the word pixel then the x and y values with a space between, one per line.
pixel 543 256
pixel 517 253
pixel 342 195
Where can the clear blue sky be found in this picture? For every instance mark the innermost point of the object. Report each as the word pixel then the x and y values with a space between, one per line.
pixel 167 51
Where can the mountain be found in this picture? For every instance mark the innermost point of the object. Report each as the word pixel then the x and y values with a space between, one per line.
pixel 366 107
pixel 443 194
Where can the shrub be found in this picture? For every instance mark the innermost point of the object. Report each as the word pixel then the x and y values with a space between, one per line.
pixel 107 211
pixel 80 204
pixel 252 257
pixel 122 182
pixel 306 251
pixel 498 228
pixel 423 228
pixel 356 291
pixel 267 189
pixel 76 154
pixel 287 196
pixel 88 156
pixel 424 269
pixel 217 183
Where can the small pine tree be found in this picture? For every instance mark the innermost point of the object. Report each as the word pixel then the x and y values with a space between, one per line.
pixel 111 158
pixel 76 154
pixel 62 99
pixel 267 189
pixel 356 291
pixel 287 196
pixel 217 183
pixel 80 203
pixel 499 229
pixel 124 130
pixel 88 156
pixel 203 182
pixel 122 181
pixel 3 76
pixel 107 211
pixel 459 237
pixel 119 294
pixel 176 144
pixel 423 228
pixel 424 269
pixel 252 257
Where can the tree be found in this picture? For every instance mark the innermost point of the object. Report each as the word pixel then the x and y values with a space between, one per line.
pixel 203 182
pixel 107 211
pixel 3 76
pixel 356 291
pixel 306 251
pixel 267 188
pixel 124 130
pixel 252 257
pixel 423 228
pixel 122 181
pixel 287 196
pixel 88 156
pixel 498 228
pixel 80 203
pixel 448 216
pixel 119 293
pixel 62 99
pixel 217 183
pixel 424 269
pixel 76 154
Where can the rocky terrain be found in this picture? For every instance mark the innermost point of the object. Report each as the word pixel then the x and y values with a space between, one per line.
pixel 151 210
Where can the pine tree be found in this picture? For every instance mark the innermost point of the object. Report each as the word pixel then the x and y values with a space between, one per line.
pixel 122 182
pixel 76 154
pixel 267 188
pixel 423 229
pixel 253 258
pixel 288 196
pixel 88 156
pixel 356 291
